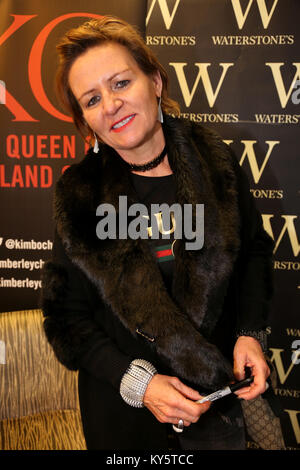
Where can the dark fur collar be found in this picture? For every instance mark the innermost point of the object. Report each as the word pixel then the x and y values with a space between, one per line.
pixel 126 274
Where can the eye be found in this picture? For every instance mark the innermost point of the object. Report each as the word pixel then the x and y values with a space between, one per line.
pixel 122 83
pixel 93 101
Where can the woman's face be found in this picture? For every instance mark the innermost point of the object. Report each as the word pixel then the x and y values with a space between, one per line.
pixel 119 102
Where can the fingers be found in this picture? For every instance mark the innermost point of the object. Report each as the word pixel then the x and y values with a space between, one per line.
pixel 189 411
pixel 172 415
pixel 249 393
pixel 182 408
pixel 188 392
pixel 185 423
pixel 239 368
pixel 248 353
pixel 259 384
pixel 170 400
pixel 185 402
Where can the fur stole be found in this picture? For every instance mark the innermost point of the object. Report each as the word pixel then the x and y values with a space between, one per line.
pixel 125 272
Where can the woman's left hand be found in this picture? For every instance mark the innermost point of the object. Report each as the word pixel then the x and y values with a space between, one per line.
pixel 248 353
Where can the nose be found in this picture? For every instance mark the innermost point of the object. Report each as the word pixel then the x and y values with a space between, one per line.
pixel 111 103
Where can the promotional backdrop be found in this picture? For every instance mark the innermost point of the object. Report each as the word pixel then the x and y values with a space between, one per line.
pixel 234 66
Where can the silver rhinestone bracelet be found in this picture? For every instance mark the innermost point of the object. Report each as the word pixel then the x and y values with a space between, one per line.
pixel 135 381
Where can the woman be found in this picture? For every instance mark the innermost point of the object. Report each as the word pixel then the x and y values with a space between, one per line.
pixel 151 325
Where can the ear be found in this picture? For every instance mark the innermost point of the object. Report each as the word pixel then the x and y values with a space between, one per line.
pixel 157 82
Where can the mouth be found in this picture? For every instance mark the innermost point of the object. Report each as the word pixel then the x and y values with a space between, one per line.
pixel 120 125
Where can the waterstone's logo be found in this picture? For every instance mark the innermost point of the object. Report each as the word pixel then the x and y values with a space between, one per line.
pixel 262 7
pixel 167 14
pixel 133 222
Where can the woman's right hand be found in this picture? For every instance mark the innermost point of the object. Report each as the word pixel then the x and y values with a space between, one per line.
pixel 170 400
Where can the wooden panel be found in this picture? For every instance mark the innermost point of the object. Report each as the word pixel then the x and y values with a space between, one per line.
pixel 53 430
pixel 32 380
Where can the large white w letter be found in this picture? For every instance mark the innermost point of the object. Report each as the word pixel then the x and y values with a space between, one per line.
pixel 167 16
pixel 283 95
pixel 241 17
pixel 202 74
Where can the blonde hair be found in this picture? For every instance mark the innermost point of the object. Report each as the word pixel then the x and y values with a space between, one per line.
pixel 93 33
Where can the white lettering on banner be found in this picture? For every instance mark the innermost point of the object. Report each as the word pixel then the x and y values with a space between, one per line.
pixel 293 414
pixel 267 193
pixel 21 264
pixel 249 152
pixel 254 40
pixel 287 265
pixel 277 118
pixel 288 227
pixel 277 76
pixel 20 244
pixel 171 40
pixel 210 117
pixel 20 283
pixel 277 359
pixel 204 76
pixel 167 16
pixel 293 331
pixel 241 17
pixel 287 393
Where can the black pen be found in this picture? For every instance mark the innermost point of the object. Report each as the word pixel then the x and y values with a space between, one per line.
pixel 219 394
pixel 226 390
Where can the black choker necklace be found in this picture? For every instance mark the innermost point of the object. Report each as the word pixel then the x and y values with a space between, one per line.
pixel 150 165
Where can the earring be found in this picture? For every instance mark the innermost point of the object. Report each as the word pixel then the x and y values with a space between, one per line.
pixel 96 145
pixel 160 116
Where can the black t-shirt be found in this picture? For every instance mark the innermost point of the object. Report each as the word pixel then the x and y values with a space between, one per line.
pixel 159 190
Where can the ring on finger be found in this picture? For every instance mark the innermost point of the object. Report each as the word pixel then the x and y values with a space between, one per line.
pixel 178 427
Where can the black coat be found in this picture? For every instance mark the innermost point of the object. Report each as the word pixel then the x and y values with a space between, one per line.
pixel 105 302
